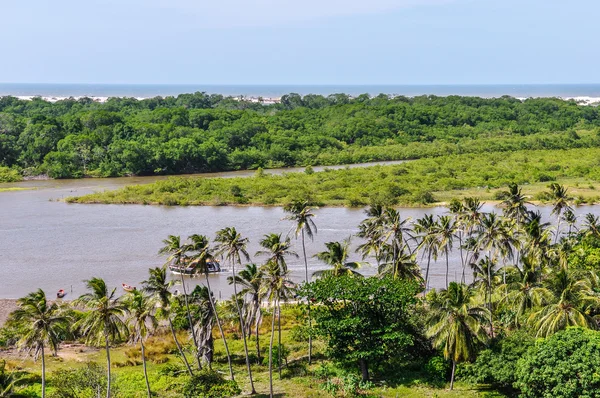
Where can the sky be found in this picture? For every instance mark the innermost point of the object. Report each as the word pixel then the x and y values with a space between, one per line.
pixel 300 41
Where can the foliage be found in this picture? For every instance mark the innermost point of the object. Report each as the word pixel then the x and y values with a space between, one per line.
pixel 365 320
pixel 9 175
pixel 200 132
pixel 210 384
pixel 86 382
pixel 496 365
pixel 335 187
pixel 564 365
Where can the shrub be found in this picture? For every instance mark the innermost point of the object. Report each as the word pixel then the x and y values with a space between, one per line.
pixel 86 382
pixel 9 175
pixel 564 365
pixel 210 384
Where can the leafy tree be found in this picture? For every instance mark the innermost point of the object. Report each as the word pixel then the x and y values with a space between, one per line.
pixel 366 321
pixel 563 365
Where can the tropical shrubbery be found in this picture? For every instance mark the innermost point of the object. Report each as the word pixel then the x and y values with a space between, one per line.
pixel 415 182
pixel 200 132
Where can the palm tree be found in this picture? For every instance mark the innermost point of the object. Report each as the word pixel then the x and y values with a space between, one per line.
pixel 8 381
pixel 178 255
pixel 43 324
pixel 515 203
pixel 231 245
pixel 251 278
pixel 275 287
pixel 591 225
pixel 205 318
pixel 574 297
pixel 142 321
pixel 445 238
pixel 405 266
pixel 455 324
pixel 158 286
pixel 426 227
pixel 457 210
pixel 277 250
pixel 561 202
pixel 201 254
pixel 302 215
pixel 336 256
pixel 103 322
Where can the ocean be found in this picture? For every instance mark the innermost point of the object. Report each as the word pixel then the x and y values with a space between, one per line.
pixel 582 91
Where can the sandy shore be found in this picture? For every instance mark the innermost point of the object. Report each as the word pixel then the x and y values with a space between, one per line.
pixel 6 307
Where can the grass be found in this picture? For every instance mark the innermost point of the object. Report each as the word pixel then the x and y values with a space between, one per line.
pixel 416 183
pixel 299 380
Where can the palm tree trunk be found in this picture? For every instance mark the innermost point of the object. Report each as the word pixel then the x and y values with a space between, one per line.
pixel 447 268
pixel 189 316
pixel 279 337
pixel 462 260
pixel 237 304
pixel 427 271
pixel 183 357
pixel 364 369
pixel 271 350
pixel 452 377
pixel 257 331
pixel 489 272
pixel 214 310
pixel 107 366
pixel 308 302
pixel 43 373
pixel 557 229
pixel 145 370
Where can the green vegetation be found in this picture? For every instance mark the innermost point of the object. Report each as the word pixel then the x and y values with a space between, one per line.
pixel 418 182
pixel 200 132
pixel 520 318
pixel 9 175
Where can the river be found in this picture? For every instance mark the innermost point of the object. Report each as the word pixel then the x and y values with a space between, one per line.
pixel 49 244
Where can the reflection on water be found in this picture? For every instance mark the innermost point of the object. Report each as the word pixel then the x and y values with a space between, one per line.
pixel 52 245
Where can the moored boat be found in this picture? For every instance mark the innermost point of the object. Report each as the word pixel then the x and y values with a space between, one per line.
pixel 128 288
pixel 191 268
pixel 61 293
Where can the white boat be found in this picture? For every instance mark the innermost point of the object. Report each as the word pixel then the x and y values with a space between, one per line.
pixel 212 266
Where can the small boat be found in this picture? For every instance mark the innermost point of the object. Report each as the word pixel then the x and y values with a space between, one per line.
pixel 128 288
pixel 61 293
pixel 191 268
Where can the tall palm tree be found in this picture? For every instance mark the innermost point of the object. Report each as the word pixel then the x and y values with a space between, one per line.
pixel 397 231
pixel 142 321
pixel 591 225
pixel 43 324
pixel 158 286
pixel 336 256
pixel 251 279
pixel 231 245
pixel 561 202
pixel 455 324
pixel 515 203
pixel 426 228
pixel 103 322
pixel 200 255
pixel 275 287
pixel 457 210
pixel 205 317
pixel 178 255
pixel 445 238
pixel 302 214
pixel 277 250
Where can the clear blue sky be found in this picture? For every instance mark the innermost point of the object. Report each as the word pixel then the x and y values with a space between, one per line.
pixel 300 41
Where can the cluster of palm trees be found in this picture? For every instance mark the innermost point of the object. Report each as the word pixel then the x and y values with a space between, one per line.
pixel 520 278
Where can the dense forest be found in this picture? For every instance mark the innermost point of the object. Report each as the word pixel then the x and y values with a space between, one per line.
pixel 200 132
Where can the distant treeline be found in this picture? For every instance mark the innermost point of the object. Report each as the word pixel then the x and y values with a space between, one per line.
pixel 200 132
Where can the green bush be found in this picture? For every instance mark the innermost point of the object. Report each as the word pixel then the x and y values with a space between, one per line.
pixel 86 382
pixel 210 384
pixel 9 175
pixel 562 366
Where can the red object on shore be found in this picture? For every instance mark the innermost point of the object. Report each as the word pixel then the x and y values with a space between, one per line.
pixel 61 293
